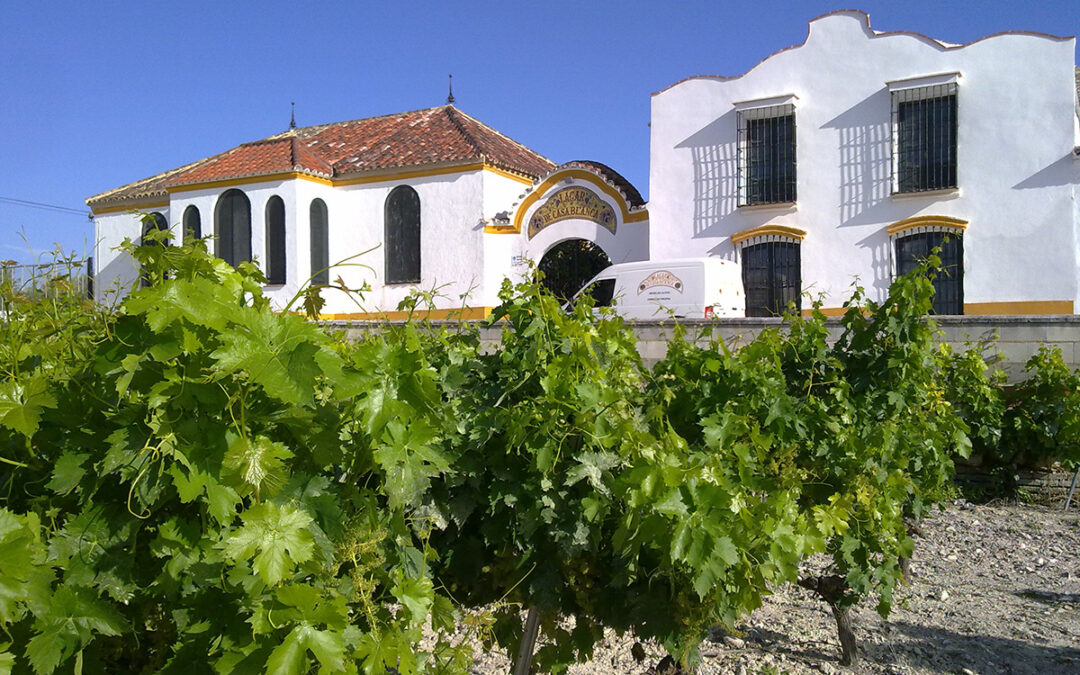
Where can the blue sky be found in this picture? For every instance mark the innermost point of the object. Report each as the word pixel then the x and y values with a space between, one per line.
pixel 95 95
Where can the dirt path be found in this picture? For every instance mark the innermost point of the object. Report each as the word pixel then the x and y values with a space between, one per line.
pixel 996 589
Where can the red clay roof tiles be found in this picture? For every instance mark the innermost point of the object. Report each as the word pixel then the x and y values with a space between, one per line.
pixel 442 136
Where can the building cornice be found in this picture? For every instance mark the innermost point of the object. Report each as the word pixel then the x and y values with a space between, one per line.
pixel 360 179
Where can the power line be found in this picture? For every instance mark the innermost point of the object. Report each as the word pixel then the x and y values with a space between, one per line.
pixel 43 206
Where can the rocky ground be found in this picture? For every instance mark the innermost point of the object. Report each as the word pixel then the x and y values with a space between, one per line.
pixel 995 589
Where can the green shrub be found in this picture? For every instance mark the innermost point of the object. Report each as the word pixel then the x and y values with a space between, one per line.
pixel 1042 421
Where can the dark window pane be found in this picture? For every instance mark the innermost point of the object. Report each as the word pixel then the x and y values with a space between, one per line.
pixel 402 236
pixel 232 227
pixel 772 277
pixel 320 243
pixel 769 160
pixel 154 222
pixel 275 241
pixel 192 225
pixel 926 144
pixel 913 249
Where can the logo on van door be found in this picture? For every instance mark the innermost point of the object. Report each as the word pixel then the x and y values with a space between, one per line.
pixel 661 278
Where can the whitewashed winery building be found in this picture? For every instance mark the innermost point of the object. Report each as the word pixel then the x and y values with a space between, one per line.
pixel 440 201
pixel 853 154
pixel 846 158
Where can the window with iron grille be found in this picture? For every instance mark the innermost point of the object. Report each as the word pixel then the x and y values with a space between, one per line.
pixel 767 155
pixel 772 277
pixel 913 249
pixel 924 131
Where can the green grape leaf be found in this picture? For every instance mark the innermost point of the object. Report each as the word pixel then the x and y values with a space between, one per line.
pixel 444 615
pixel 22 403
pixel 67 472
pixel 46 650
pixel 276 536
pixel 276 351
pixel 416 595
pixel 258 463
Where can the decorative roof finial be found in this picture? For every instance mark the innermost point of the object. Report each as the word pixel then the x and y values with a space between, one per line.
pixel 292 114
pixel 450 96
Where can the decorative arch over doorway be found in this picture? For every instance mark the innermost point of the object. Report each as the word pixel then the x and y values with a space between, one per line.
pixel 569 264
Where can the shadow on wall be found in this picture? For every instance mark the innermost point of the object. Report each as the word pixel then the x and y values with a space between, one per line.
pixel 879 246
pixel 865 155
pixel 715 156
pixel 1065 171
pixel 113 281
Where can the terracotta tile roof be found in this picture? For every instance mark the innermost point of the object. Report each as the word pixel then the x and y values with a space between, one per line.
pixel 442 136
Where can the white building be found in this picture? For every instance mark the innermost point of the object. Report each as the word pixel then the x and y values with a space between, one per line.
pixel 435 198
pixel 844 159
pixel 850 155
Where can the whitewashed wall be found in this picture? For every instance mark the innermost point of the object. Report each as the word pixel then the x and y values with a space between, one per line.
pixel 457 258
pixel 1016 172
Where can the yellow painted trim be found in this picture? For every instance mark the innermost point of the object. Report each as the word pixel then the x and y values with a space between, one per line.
pixel 556 179
pixel 763 230
pixel 1020 307
pixel 298 175
pixel 405 175
pixel 248 180
pixel 827 311
pixel 460 313
pixel 637 216
pixel 500 229
pixel 129 207
pixel 507 174
pixel 926 221
pixel 989 308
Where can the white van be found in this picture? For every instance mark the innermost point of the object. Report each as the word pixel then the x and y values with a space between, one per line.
pixel 685 288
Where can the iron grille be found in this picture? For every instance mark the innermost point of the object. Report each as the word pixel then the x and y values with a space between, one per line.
pixel 924 127
pixel 772 277
pixel 767 155
pixel 913 250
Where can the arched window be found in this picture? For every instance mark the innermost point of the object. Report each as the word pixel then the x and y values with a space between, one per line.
pixel 153 222
pixel 320 243
pixel 192 224
pixel 913 249
pixel 771 257
pixel 232 227
pixel 772 276
pixel 275 241
pixel 402 236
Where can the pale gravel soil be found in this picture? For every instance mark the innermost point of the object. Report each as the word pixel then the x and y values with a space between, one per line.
pixel 995 589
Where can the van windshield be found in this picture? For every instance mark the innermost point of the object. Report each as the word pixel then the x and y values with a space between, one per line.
pixel 601 290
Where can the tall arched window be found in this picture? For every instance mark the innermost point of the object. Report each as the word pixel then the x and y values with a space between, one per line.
pixel 275 241
pixel 402 236
pixel 232 227
pixel 153 222
pixel 192 224
pixel 320 243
